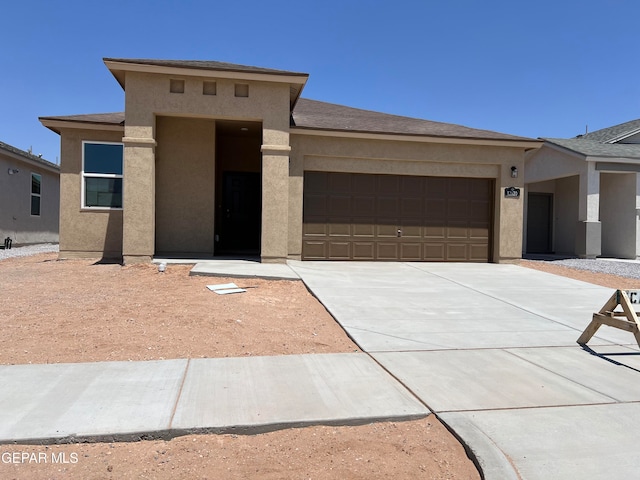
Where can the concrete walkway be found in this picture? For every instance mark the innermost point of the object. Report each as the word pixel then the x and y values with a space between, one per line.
pixel 109 401
pixel 492 350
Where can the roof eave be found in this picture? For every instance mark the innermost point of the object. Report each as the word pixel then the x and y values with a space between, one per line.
pixel 415 137
pixel 56 124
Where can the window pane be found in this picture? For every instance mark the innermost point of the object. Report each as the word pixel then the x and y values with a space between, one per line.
pixel 103 192
pixel 35 205
pixel 103 158
pixel 36 181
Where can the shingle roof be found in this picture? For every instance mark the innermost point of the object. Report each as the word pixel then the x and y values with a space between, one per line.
pixel 312 114
pixel 612 134
pixel 593 148
pixel 28 156
pixel 315 115
pixel 205 65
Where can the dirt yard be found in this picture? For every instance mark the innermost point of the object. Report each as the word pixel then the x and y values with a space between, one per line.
pixel 79 311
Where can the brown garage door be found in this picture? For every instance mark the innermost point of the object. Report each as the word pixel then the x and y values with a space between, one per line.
pixel 392 217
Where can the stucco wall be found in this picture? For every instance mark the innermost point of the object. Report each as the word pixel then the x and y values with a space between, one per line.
pixel 315 153
pixel 566 214
pixel 618 214
pixel 185 181
pixel 84 232
pixel 149 95
pixel 16 220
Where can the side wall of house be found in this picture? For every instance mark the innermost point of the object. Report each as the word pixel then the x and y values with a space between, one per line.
pixel 333 154
pixel 84 232
pixel 16 220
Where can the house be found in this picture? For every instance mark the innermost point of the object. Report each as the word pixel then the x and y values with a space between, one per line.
pixel 29 197
pixel 583 194
pixel 211 158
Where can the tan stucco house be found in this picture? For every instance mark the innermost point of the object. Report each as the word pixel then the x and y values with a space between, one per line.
pixel 212 158
pixel 29 197
pixel 583 194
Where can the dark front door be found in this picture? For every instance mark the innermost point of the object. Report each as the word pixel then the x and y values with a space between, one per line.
pixel 240 215
pixel 539 216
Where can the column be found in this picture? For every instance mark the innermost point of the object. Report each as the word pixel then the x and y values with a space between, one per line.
pixel 589 231
pixel 138 219
pixel 275 203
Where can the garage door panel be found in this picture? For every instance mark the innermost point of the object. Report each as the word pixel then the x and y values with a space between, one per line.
pixel 316 183
pixel 387 250
pixel 364 230
pixel 358 217
pixel 456 252
pixel 364 206
pixel 339 205
pixel 339 250
pixel 364 250
pixel 434 252
pixel 411 207
pixel 386 228
pixel 457 230
pixel 316 228
pixel 315 204
pixel 315 250
pixel 478 252
pixel 435 208
pixel 339 183
pixel 411 252
pixel 340 228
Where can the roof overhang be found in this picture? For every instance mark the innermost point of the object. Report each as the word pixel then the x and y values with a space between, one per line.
pixel 56 124
pixel 296 82
pixel 37 162
pixel 526 144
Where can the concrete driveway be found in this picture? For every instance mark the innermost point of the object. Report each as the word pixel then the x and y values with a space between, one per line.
pixel 492 350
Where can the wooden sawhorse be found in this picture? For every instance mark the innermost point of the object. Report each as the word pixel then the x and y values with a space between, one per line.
pixel 627 319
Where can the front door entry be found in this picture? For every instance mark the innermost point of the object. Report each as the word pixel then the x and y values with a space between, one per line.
pixel 539 222
pixel 240 214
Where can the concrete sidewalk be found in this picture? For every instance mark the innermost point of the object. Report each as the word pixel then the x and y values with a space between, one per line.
pixel 492 350
pixel 108 401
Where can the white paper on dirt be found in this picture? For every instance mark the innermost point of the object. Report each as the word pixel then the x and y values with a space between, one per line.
pixel 225 288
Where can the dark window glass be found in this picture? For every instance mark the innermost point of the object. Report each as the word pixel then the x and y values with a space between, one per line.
pixel 35 205
pixel 36 181
pixel 103 158
pixel 103 192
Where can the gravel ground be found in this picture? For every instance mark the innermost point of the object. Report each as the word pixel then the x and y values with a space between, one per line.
pixel 28 250
pixel 621 268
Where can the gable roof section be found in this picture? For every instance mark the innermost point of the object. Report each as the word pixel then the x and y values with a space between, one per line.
pixel 315 115
pixel 27 157
pixel 614 134
pixel 593 148
pixel 93 120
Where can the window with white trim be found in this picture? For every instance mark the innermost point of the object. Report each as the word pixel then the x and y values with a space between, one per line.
pixel 102 174
pixel 36 192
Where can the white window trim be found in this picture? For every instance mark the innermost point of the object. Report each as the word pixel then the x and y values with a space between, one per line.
pixel 84 175
pixel 39 195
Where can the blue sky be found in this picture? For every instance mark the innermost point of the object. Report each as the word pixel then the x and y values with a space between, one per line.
pixel 536 69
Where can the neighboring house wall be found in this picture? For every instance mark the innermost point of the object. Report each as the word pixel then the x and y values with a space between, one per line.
pixel 16 220
pixel 85 232
pixel 617 214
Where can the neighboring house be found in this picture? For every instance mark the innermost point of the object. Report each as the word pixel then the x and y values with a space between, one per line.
pixel 212 158
pixel 583 194
pixel 29 197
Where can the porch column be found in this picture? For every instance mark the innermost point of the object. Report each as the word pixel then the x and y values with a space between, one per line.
pixel 589 231
pixel 275 203
pixel 138 219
